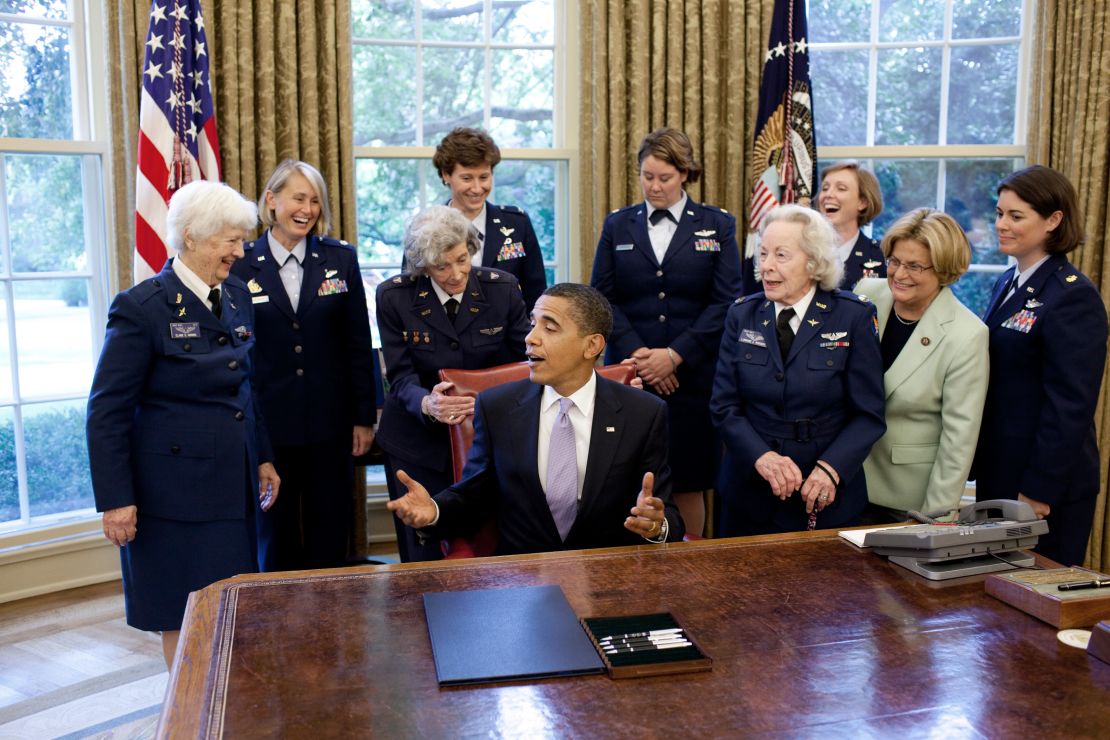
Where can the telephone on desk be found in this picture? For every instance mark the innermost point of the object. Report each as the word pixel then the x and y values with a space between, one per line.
pixel 989 536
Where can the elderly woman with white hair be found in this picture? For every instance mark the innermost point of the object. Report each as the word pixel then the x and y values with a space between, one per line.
pixel 180 458
pixel 314 369
pixel 798 393
pixel 445 313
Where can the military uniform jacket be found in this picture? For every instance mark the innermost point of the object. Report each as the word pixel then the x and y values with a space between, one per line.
pixel 173 426
pixel 866 260
pixel 314 371
pixel 418 340
pixel 825 402
pixel 1047 352
pixel 679 302
pixel 511 246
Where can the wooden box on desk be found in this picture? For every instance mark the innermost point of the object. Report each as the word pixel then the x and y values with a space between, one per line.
pixel 689 660
pixel 1035 593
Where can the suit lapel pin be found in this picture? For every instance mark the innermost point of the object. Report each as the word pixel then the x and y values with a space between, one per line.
pixel 812 322
pixel 425 312
pixel 330 273
pixel 178 300
pixel 820 305
pixel 766 321
pixel 423 294
pixel 610 429
pixel 1068 279
pixel 497 220
pixel 1033 303
pixel 506 230
pixel 859 254
pixel 474 309
pixel 427 338
pixel 1029 288
pixel 253 286
pixel 925 341
pixel 181 312
pixel 314 254
pixel 404 336
pixel 261 258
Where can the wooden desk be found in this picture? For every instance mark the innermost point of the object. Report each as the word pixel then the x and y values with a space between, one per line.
pixel 809 636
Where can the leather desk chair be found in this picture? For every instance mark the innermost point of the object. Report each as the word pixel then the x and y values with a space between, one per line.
pixel 470 383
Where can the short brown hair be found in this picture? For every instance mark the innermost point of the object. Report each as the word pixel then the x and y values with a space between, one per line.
pixel 469 147
pixel 947 243
pixel 869 190
pixel 673 147
pixel 1047 191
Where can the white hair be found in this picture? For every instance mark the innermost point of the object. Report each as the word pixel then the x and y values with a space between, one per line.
pixel 819 240
pixel 432 232
pixel 203 209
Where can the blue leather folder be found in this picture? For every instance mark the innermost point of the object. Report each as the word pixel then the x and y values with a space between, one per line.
pixel 507 634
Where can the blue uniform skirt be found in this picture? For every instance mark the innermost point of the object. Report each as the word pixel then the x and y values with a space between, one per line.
pixel 169 559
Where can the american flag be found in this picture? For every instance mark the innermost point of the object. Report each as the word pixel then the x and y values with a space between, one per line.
pixel 785 147
pixel 177 128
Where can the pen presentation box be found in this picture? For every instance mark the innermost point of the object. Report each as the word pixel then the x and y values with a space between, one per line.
pixel 645 661
pixel 1035 593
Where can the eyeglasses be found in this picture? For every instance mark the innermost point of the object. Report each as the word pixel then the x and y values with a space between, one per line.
pixel 893 263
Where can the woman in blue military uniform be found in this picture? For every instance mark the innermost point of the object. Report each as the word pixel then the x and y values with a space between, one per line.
pixel 670 268
pixel 465 160
pixel 1048 333
pixel 850 198
pixel 313 369
pixel 177 449
pixel 443 314
pixel 798 394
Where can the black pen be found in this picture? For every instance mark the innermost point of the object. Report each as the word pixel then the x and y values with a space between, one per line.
pixel 1078 585
pixel 668 646
pixel 642 642
pixel 669 631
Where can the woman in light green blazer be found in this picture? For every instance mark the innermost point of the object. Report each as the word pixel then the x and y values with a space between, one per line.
pixel 935 366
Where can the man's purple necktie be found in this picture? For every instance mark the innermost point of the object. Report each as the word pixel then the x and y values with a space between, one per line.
pixel 562 471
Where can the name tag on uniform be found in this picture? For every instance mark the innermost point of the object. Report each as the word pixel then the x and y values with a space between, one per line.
pixel 748 336
pixel 625 247
pixel 260 299
pixel 184 329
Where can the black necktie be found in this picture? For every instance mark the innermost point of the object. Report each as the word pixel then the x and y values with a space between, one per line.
pixel 452 307
pixel 660 214
pixel 786 334
pixel 1002 296
pixel 214 299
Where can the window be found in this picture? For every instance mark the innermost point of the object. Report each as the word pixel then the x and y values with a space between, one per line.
pixel 927 93
pixel 52 255
pixel 423 67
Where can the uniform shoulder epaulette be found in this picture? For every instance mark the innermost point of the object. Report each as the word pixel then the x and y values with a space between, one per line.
pixel 749 297
pixel 147 289
pixel 248 246
pixel 331 241
pixel 1068 273
pixel 236 282
pixel 512 209
pixel 627 208
pixel 491 275
pixel 405 278
pixel 850 296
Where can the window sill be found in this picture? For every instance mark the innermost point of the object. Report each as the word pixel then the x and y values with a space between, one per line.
pixel 56 558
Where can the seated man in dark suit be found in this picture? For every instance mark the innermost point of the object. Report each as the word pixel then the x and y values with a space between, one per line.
pixel 564 460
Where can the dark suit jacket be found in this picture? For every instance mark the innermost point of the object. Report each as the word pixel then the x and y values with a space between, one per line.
pixel 418 340
pixel 172 421
pixel 1047 352
pixel 825 402
pixel 511 245
pixel 628 439
pixel 865 260
pixel 313 368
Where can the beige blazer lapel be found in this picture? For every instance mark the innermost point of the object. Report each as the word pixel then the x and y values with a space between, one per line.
pixel 917 350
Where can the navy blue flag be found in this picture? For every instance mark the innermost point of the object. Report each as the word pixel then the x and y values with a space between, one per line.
pixel 785 148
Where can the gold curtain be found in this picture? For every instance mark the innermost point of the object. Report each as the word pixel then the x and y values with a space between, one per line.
pixel 650 63
pixel 1067 131
pixel 281 83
